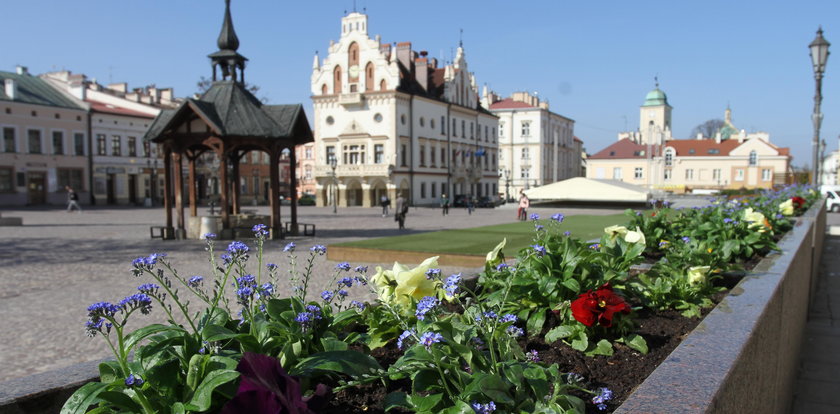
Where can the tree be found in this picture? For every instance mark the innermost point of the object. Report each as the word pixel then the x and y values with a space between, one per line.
pixel 203 85
pixel 709 128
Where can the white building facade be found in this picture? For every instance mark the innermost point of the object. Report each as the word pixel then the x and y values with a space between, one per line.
pixel 397 124
pixel 536 146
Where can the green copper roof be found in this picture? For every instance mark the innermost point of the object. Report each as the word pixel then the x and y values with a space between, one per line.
pixel 655 98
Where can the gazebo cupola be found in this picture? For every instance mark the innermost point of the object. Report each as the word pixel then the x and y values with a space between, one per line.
pixel 227 58
pixel 229 121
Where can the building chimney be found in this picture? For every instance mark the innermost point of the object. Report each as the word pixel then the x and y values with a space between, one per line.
pixel 11 88
pixel 22 70
pixel 404 54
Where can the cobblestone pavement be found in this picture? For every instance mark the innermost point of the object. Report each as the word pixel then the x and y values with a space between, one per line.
pixel 58 263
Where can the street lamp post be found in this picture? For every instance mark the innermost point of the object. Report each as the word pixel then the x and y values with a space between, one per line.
pixel 819 56
pixel 507 185
pixel 152 179
pixel 333 165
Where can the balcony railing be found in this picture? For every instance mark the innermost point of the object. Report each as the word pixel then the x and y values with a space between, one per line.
pixel 354 98
pixel 354 170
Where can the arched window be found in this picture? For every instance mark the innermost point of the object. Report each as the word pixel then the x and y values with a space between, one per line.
pixel 383 85
pixel 337 80
pixel 753 158
pixel 324 89
pixel 353 60
pixel 369 76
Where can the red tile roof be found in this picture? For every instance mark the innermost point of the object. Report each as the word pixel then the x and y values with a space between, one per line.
pixel 683 147
pixel 102 107
pixel 509 104
pixel 623 149
pixel 578 139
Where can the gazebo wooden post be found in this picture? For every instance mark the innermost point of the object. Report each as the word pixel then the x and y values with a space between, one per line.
pixel 223 196
pixel 180 232
pixel 235 180
pixel 193 203
pixel 293 190
pixel 274 192
pixel 167 191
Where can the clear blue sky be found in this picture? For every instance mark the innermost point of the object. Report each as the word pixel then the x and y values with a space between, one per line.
pixel 593 60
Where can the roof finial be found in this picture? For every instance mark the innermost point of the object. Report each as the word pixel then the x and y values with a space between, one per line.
pixel 461 39
pixel 227 37
pixel 354 6
pixel 656 80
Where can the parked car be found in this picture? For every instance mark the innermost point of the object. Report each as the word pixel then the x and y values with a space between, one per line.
pixel 832 197
pixel 306 200
pixel 460 200
pixel 488 202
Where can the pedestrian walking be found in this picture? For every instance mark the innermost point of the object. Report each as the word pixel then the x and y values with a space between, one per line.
pixel 72 200
pixel 524 203
pixel 444 204
pixel 385 202
pixel 470 204
pixel 400 210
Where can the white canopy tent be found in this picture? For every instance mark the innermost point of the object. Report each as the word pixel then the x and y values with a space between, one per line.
pixel 582 189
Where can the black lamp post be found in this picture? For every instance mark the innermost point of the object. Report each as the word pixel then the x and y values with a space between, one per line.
pixel 507 185
pixel 819 56
pixel 333 165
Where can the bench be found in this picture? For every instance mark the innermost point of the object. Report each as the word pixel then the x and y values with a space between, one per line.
pixel 161 232
pixel 308 228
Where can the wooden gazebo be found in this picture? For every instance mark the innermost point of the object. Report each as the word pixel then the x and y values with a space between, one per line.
pixel 228 120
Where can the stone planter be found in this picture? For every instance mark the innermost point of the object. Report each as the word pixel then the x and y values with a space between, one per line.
pixel 741 358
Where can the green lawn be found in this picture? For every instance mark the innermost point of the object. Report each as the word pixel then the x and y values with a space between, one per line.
pixel 480 240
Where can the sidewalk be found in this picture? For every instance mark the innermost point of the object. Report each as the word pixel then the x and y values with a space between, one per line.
pixel 818 386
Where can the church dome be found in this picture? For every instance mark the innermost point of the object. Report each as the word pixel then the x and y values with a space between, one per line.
pixel 656 98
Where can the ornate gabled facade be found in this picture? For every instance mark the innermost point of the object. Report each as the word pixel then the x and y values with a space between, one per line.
pixel 397 123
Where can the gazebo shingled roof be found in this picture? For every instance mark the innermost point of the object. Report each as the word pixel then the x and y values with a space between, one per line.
pixel 235 122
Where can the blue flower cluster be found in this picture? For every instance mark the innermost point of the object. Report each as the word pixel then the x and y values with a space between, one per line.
pixel 139 301
pixel 148 288
pixel 271 267
pixel 532 356
pixel 266 290
pixel 508 317
pixel 210 236
pixel 451 284
pixel 430 338
pixel 237 248
pixel 535 217
pixel 246 287
pixel 359 305
pixel 134 381
pixel 318 248
pixel 539 250
pixel 260 231
pixel 515 331
pixel 327 295
pixel 361 269
pixel 289 247
pixel 559 217
pixel 141 264
pixel 432 274
pixel 424 306
pixel 604 395
pixel 195 281
pixel 403 336
pixel 97 314
pixel 686 239
pixel 343 266
pixel 346 281
pixel 484 408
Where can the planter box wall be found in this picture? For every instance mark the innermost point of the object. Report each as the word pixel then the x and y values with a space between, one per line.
pixel 743 357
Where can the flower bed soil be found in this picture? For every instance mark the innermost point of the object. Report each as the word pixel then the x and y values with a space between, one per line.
pixel 622 372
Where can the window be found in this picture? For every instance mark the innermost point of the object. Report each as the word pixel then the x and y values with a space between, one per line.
pixel 422 121
pixel 472 130
pixel 378 153
pixel 766 174
pixel 69 176
pixel 330 120
pixel 443 157
pixel 443 125
pixel 526 128
pixel 637 173
pixel 58 142
pixel 354 154
pixel 689 174
pixel 422 190
pixel 669 157
pixel 434 190
pixel 432 157
pixel 525 154
pixel 432 123
pixel 100 144
pixel 6 183
pixel 377 117
pixel 454 128
pixel 404 155
pixel 9 140
pixel 617 173
pixel 330 155
pixel 79 143
pixel 132 146
pixel 716 174
pixel 34 141
pixel 307 172
pixel 422 155
pixel 501 129
pixel 667 174
pixel 713 151
pixel 753 158
pixel 116 145
pixel 463 129
pixel 739 174
pixel 525 173
pixel 402 119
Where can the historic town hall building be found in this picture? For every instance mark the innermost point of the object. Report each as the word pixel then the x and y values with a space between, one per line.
pixel 389 121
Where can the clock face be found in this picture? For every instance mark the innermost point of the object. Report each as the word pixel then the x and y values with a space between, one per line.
pixel 354 71
pixel 650 114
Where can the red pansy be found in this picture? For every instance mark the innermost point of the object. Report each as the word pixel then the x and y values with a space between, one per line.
pixel 598 306
pixel 798 202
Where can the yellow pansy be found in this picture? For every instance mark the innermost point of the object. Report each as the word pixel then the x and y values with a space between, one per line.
pixel 412 283
pixel 786 208
pixel 495 256
pixel 697 274
pixel 616 231
pixel 634 236
pixel 756 219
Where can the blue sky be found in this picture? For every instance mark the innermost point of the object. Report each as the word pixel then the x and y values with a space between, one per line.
pixel 593 60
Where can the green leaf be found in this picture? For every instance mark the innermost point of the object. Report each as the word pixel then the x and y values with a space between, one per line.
pixel 581 342
pixel 557 333
pixel 572 285
pixel 348 362
pixel 460 407
pixel 636 342
pixel 425 380
pixel 332 344
pixel 133 338
pixel 83 398
pixel 424 403
pixel 178 408
pixel 394 400
pixel 203 397
pixel 109 371
pixel 535 322
pixel 492 386
pixel 214 333
pixel 121 400
pixel 603 347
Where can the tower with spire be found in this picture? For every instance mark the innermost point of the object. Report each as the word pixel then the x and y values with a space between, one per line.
pixel 227 59
pixel 655 116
